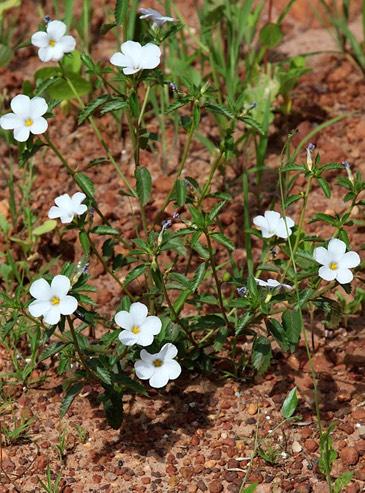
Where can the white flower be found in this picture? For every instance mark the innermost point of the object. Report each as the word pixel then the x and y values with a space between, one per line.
pixel 67 207
pixel 134 57
pixel 272 224
pixel 272 284
pixel 336 263
pixel 155 17
pixel 138 328
pixel 53 43
pixel 26 117
pixel 158 368
pixel 52 301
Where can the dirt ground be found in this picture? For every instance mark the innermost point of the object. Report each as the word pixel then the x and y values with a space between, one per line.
pixel 198 434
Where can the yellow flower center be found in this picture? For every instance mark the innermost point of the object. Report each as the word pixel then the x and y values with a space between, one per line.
pixel 333 266
pixel 52 42
pixel 157 363
pixel 55 300
pixel 28 122
pixel 135 329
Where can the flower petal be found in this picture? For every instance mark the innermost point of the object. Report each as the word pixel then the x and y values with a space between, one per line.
pixel 260 222
pixel 60 285
pixel 64 202
pixel 39 126
pixel 124 320
pixel 144 371
pixel 40 39
pixel 56 29
pixel 120 60
pixel 144 338
pixel 282 230
pixel 52 317
pixel 159 378
pixel 21 134
pixel 168 351
pixel 321 256
pixel 132 49
pixel 45 54
pixel 81 209
pixel 77 198
pixel 11 121
pixel 131 70
pixel 152 324
pixel 344 276
pixel 146 356
pixel 336 247
pixel 127 338
pixel 66 218
pixel 38 107
pixel 151 54
pixel 138 312
pixel 67 305
pixel 40 290
pixel 272 217
pixel 350 260
pixel 68 43
pixel 54 212
pixel 260 282
pixel 173 368
pixel 20 104
pixel 39 307
pixel 56 52
pixel 327 274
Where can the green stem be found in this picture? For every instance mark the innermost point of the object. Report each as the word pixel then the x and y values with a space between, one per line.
pixel 88 370
pixel 213 169
pixel 216 279
pixel 180 169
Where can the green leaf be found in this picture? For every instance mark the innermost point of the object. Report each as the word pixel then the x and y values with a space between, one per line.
pixel 261 354
pixel 46 227
pixel 105 230
pixel 251 122
pixel 325 187
pixel 342 481
pixel 52 349
pixel 292 323
pixel 60 89
pixel 276 329
pixel 181 192
pixel 85 183
pixel 91 107
pixel 134 273
pixel 143 185
pixel 72 63
pixel 114 104
pixel 198 277
pixel 113 407
pixel 290 404
pixel 104 375
pixel 220 109
pixel 270 35
pixel 6 54
pixel 119 11
pixel 250 489
pixel 223 240
pixel 69 397
pixel 85 243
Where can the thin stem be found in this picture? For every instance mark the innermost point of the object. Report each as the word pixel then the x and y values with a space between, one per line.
pixel 180 169
pixel 213 169
pixel 173 313
pixel 88 370
pixel 216 279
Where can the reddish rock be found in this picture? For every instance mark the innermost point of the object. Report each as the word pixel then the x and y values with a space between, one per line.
pixel 360 446
pixel 311 445
pixel 215 487
pixel 349 456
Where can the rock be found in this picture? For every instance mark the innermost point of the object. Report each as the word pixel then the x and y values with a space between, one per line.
pixel 202 486
pixel 360 446
pixel 349 456
pixel 296 447
pixel 320 487
pixel 215 486
pixel 252 408
pixel 311 445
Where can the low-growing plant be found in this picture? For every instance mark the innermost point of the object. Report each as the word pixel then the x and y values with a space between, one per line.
pixel 184 297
